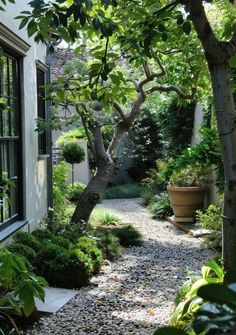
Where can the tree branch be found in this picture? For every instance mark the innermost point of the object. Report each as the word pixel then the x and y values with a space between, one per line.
pixel 172 88
pixel 217 52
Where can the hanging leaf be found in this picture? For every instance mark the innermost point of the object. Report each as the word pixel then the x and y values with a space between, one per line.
pixel 187 27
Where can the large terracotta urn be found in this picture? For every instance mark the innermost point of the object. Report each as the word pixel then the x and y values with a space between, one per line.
pixel 185 201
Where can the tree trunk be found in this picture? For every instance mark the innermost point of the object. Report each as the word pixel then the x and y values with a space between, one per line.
pixel 92 193
pixel 226 119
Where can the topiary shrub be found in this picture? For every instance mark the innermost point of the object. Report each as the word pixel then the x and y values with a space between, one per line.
pixel 75 191
pixel 48 252
pixel 26 239
pixel 128 236
pixel 24 251
pixel 72 152
pixel 42 234
pixel 69 269
pixel 89 247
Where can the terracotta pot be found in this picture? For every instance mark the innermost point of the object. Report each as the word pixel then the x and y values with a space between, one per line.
pixel 186 200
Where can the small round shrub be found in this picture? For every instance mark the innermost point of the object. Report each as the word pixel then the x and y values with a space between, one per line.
pixel 72 152
pixel 22 250
pixel 42 234
pixel 70 269
pixel 63 242
pixel 74 192
pixel 89 247
pixel 26 239
pixel 48 252
pixel 128 236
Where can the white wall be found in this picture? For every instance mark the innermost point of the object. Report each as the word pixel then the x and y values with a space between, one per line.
pixel 34 170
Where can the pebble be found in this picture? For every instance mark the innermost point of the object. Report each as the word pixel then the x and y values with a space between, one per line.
pixel 135 293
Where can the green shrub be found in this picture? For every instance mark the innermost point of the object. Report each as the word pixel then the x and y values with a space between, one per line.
pixel 108 243
pixel 160 206
pixel 69 269
pixel 100 216
pixel 75 191
pixel 212 219
pixel 62 241
pixel 26 239
pixel 109 219
pixel 89 247
pixel 60 175
pixel 23 250
pixel 42 234
pixel 128 236
pixel 74 134
pixel 155 182
pixel 47 253
pixel 122 191
pixel 72 152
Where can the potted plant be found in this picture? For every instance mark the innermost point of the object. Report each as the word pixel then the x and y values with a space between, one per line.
pixel 187 188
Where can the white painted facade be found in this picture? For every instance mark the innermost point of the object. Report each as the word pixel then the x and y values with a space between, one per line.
pixel 34 193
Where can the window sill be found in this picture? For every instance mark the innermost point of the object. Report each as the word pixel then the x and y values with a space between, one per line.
pixel 7 232
pixel 45 156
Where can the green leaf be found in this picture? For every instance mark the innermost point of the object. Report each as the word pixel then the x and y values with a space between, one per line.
pixel 31 28
pixel 232 61
pixel 96 23
pixel 23 23
pixel 187 27
pixel 217 293
pixel 164 37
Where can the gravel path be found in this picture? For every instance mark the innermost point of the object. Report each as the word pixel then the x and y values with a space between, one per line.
pixel 133 295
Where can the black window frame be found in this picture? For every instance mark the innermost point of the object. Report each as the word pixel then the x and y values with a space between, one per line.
pixel 14 151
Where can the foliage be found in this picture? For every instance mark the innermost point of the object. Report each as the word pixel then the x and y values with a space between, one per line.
pixel 122 191
pixel 27 240
pixel 89 247
pixel 108 243
pixel 60 175
pixel 212 219
pixel 75 134
pixel 62 258
pixel 72 152
pixel 24 251
pixel 42 234
pixel 143 144
pixel 191 176
pixel 217 313
pixel 206 152
pixel 175 120
pixel 188 303
pixel 100 216
pixel 155 182
pixel 65 268
pixel 159 206
pixel 109 219
pixel 75 191
pixel 128 236
pixel 18 285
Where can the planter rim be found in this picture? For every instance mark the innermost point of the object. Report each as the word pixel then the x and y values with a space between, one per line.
pixel 186 188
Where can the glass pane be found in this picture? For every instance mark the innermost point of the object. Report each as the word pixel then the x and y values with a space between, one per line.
pixel 9 143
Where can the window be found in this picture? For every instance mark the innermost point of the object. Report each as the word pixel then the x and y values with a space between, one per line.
pixel 10 141
pixel 42 137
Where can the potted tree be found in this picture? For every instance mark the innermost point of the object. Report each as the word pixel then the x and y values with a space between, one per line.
pixel 187 188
